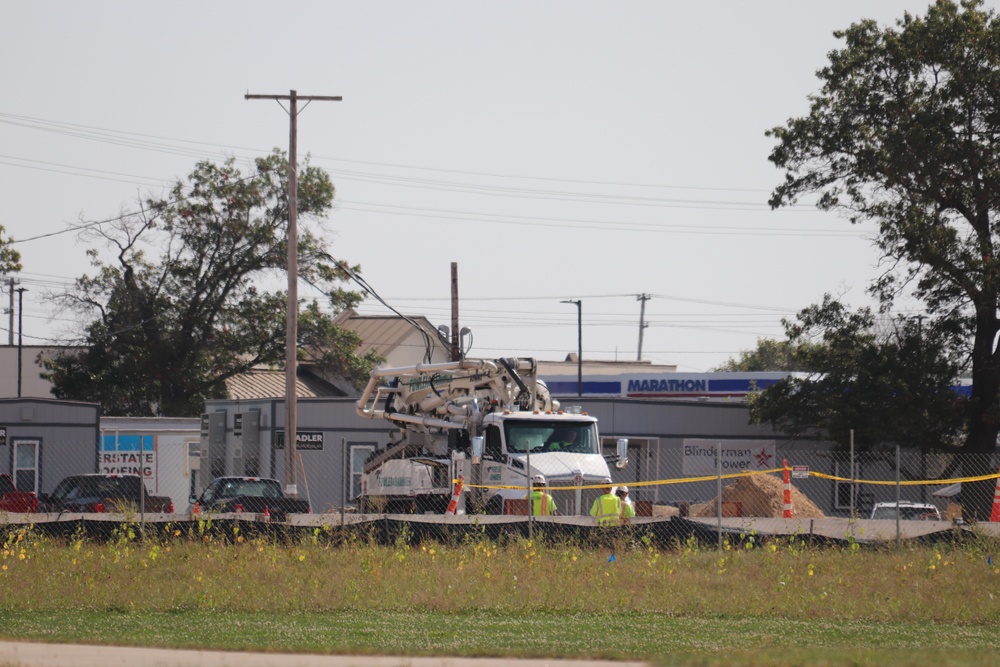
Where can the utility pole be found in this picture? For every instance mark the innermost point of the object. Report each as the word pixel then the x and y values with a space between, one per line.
pixel 20 335
pixel 292 313
pixel 10 328
pixel 579 344
pixel 456 336
pixel 642 319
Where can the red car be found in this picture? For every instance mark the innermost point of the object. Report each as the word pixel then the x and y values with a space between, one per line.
pixel 13 501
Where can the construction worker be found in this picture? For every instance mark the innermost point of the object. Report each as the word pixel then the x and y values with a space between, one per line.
pixel 542 503
pixel 607 509
pixel 628 507
pixel 563 438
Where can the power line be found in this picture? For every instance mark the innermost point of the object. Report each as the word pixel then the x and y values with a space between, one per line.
pixel 97 133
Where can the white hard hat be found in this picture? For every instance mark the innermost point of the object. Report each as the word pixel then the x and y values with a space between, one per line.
pixel 538 479
pixel 623 488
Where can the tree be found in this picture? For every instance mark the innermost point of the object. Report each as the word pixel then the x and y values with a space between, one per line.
pixel 905 132
pixel 184 304
pixel 769 355
pixel 888 381
pixel 10 259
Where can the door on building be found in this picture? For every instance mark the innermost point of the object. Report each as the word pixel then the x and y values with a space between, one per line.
pixel 360 451
pixel 26 452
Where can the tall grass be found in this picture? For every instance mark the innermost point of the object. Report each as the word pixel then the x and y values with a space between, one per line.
pixel 780 578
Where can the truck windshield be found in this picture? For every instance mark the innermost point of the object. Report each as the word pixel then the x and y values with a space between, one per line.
pixel 551 436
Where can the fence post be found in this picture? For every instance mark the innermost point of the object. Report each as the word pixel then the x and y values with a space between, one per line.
pixel 853 482
pixel 345 478
pixel 718 488
pixel 897 496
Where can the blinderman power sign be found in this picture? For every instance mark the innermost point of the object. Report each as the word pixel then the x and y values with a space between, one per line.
pixel 707 457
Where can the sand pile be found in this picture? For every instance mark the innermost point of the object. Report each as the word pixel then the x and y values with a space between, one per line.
pixel 759 496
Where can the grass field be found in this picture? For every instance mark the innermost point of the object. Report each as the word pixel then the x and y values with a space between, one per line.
pixel 778 602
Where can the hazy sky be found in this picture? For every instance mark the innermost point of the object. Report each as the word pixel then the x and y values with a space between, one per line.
pixel 554 150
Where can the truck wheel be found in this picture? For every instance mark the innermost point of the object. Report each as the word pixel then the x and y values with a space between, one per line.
pixel 494 505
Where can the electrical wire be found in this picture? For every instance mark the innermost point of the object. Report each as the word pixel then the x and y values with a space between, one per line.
pixel 428 342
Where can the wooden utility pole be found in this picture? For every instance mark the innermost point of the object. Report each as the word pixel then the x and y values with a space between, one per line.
pixel 456 335
pixel 292 316
pixel 20 335
pixel 10 330
pixel 642 319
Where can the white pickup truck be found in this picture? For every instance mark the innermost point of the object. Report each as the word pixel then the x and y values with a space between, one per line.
pixel 907 511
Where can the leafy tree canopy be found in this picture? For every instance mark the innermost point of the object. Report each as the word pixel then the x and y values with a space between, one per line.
pixel 769 355
pixel 10 259
pixel 187 300
pixel 888 381
pixel 905 133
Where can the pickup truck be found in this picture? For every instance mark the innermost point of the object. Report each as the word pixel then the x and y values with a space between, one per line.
pixel 104 493
pixel 249 494
pixel 907 511
pixel 14 501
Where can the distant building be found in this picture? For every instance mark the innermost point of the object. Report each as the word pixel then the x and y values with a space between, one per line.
pixel 31 357
pixel 395 339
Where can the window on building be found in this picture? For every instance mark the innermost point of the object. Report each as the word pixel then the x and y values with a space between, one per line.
pixel 359 454
pixel 26 464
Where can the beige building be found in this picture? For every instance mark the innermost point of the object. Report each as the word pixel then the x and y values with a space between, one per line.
pixel 31 357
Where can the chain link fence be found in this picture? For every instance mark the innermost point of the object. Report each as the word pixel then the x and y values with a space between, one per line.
pixel 63 486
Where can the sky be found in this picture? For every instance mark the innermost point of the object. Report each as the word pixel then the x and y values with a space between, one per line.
pixel 556 151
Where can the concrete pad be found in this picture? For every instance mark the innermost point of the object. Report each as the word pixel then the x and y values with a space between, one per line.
pixel 29 654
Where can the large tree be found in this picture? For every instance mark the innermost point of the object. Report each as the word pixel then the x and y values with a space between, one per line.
pixel 890 381
pixel 905 133
pixel 769 355
pixel 189 298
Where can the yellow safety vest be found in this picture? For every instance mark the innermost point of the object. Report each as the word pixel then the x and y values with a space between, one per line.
pixel 628 510
pixel 542 504
pixel 607 509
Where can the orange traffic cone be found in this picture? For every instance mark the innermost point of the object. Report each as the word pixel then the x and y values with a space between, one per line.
pixel 456 494
pixel 786 474
pixel 995 514
pixel 196 509
pixel 267 514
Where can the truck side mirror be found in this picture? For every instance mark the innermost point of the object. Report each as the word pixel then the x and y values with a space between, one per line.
pixel 477 448
pixel 622 453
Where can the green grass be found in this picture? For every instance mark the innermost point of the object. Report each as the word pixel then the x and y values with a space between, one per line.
pixel 779 603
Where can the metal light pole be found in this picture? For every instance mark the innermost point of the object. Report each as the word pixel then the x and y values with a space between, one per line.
pixel 579 344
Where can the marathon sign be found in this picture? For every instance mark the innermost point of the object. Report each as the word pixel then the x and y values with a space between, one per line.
pixel 664 385
pixel 702 458
pixel 304 440
pixel 670 386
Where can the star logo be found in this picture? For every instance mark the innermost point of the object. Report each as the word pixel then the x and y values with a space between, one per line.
pixel 763 458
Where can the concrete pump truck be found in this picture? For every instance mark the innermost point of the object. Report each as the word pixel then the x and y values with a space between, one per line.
pixel 492 422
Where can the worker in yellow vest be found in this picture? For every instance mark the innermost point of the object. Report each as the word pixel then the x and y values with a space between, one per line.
pixel 542 503
pixel 607 509
pixel 628 507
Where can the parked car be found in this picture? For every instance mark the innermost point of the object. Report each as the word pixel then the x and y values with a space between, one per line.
pixel 104 493
pixel 249 494
pixel 908 511
pixel 14 501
